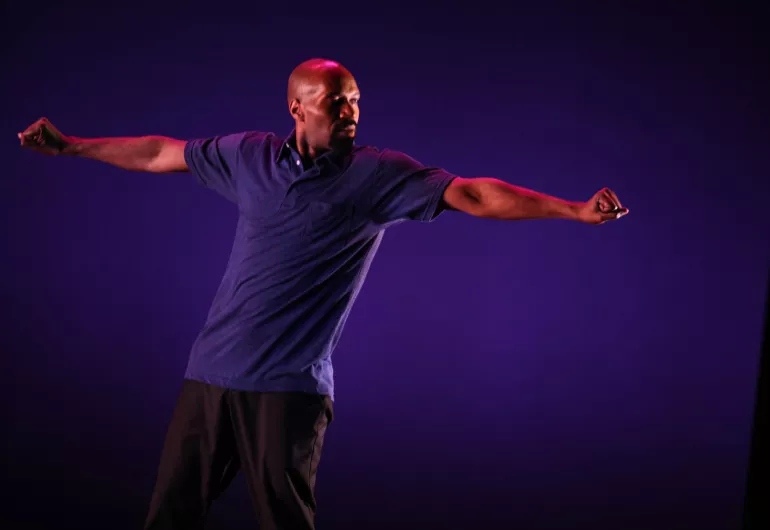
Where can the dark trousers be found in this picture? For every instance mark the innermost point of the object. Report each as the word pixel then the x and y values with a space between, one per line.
pixel 274 438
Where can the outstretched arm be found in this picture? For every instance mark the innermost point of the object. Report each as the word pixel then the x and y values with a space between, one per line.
pixel 495 199
pixel 154 154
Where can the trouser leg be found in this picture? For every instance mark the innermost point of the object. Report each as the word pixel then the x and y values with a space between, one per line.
pixel 198 461
pixel 280 436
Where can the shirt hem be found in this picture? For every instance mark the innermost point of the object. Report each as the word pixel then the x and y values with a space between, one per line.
pixel 246 385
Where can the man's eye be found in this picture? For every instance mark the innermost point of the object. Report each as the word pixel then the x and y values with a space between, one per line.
pixel 339 100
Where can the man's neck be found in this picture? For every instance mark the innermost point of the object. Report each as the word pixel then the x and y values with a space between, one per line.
pixel 307 151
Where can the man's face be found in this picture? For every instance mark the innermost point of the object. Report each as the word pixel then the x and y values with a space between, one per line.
pixel 331 110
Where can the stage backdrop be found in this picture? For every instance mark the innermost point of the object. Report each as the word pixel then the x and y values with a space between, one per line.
pixel 492 374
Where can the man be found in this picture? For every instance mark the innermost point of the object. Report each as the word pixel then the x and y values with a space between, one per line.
pixel 258 390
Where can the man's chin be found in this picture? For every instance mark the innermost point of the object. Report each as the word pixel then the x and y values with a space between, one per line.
pixel 343 140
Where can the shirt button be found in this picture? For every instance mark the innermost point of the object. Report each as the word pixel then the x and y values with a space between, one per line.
pixel 297 162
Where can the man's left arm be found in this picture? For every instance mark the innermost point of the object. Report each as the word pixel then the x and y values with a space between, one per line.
pixel 495 199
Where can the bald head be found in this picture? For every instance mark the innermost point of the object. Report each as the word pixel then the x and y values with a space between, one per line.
pixel 323 100
pixel 311 75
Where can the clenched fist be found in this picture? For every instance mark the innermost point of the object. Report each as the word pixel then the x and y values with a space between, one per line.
pixel 43 137
pixel 602 207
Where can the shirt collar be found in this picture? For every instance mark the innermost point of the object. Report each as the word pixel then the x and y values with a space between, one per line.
pixel 286 147
pixel 289 145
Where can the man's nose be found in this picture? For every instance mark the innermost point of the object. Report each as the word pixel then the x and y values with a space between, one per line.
pixel 346 110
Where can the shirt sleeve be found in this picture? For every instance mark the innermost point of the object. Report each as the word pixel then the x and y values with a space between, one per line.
pixel 405 189
pixel 218 162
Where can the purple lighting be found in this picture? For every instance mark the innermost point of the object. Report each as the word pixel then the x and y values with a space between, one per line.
pixel 492 374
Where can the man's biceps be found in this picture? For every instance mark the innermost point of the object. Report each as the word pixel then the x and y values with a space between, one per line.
pixel 171 158
pixel 461 196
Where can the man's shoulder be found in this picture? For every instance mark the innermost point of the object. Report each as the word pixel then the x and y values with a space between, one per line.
pixel 252 142
pixel 236 141
pixel 260 137
pixel 365 159
pixel 380 156
pixel 385 163
pixel 365 150
pixel 387 158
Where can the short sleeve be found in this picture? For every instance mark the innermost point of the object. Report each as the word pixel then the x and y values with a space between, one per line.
pixel 218 162
pixel 405 189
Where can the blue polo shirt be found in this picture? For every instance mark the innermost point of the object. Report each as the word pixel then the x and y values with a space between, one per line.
pixel 304 241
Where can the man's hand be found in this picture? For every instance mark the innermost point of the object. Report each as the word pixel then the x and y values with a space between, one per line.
pixel 602 207
pixel 44 138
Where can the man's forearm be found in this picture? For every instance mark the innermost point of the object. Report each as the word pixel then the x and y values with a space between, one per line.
pixel 499 200
pixel 133 153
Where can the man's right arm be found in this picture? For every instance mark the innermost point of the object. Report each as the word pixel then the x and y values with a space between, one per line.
pixel 154 154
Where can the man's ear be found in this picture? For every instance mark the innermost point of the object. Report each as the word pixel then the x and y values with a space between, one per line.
pixel 295 108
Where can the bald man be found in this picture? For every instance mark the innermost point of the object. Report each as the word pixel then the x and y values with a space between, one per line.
pixel 258 390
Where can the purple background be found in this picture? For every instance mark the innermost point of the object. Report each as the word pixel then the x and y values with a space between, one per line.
pixel 492 375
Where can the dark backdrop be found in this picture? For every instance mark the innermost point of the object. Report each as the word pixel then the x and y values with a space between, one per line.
pixel 492 375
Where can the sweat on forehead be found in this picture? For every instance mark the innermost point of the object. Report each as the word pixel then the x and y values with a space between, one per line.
pixel 310 73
